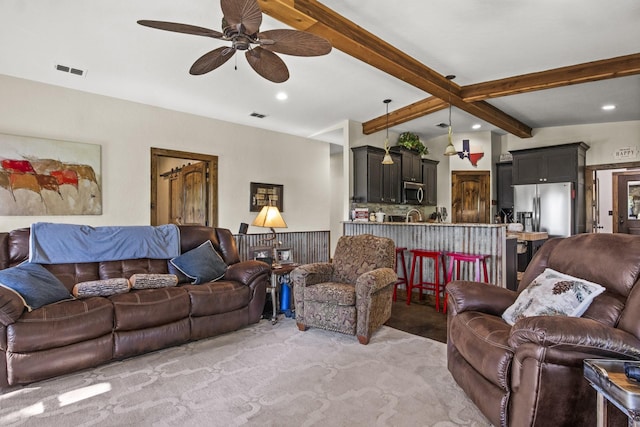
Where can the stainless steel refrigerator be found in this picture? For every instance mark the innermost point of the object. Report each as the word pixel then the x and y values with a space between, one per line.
pixel 551 206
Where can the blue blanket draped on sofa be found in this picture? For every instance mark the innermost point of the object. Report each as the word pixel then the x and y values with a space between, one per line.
pixel 68 243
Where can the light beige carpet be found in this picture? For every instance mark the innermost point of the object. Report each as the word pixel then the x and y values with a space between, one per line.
pixel 262 375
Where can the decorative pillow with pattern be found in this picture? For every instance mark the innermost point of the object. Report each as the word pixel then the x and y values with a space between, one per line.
pixel 553 294
pixel 151 281
pixel 101 288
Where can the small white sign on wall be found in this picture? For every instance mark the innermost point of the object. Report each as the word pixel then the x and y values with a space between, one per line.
pixel 624 153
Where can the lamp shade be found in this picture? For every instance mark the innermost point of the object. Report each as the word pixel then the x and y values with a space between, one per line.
pixel 269 216
pixel 450 150
pixel 387 160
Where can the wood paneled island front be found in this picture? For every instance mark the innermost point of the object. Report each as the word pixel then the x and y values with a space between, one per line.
pixel 488 239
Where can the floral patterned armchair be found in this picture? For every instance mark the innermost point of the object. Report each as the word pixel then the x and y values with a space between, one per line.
pixel 352 294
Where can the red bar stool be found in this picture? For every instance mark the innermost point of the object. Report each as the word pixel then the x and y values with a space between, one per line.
pixel 457 258
pixel 401 267
pixel 418 256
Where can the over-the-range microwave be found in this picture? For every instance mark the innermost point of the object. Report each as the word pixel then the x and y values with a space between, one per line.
pixel 412 193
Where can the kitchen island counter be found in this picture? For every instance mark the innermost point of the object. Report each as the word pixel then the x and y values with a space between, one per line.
pixel 488 239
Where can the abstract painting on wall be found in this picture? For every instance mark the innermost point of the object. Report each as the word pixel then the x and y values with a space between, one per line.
pixel 49 177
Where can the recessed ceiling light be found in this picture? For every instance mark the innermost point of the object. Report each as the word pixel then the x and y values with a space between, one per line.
pixel 608 107
pixel 281 96
pixel 476 126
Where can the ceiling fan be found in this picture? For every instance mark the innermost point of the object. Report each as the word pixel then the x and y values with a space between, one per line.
pixel 241 25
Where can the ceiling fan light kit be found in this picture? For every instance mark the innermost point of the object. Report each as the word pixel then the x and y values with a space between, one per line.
pixel 241 26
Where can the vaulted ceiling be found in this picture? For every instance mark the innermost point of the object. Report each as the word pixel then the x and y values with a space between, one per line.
pixel 519 66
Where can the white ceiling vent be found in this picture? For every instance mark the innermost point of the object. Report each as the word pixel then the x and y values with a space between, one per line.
pixel 71 70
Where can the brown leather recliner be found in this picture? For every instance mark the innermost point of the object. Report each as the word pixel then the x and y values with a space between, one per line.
pixel 531 373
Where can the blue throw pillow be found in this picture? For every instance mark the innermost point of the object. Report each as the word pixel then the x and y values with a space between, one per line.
pixel 35 284
pixel 202 264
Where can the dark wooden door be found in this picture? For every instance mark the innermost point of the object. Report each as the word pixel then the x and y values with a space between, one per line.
pixel 430 181
pixel 391 181
pixel 626 202
pixel 375 182
pixel 470 195
pixel 504 184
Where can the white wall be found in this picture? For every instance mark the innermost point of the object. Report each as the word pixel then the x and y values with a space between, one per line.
pixel 603 139
pixel 127 130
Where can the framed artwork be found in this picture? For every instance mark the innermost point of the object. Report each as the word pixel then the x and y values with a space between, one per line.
pixel 49 177
pixel 284 256
pixel 265 195
pixel 262 253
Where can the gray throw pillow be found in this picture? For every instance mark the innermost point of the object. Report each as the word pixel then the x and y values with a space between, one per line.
pixel 201 264
pixel 35 284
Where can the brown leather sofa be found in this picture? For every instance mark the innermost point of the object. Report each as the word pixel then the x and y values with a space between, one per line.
pixel 71 335
pixel 531 373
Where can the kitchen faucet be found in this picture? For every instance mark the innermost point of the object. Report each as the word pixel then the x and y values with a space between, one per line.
pixel 406 219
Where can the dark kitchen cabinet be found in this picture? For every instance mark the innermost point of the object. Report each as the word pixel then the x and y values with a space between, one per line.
pixel 374 182
pixel 430 181
pixel 559 163
pixel 411 164
pixel 504 183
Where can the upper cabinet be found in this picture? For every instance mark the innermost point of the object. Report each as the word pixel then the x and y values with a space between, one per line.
pixel 559 163
pixel 374 182
pixel 430 181
pixel 504 172
pixel 411 164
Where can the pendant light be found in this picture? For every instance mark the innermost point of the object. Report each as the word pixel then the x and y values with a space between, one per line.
pixel 387 160
pixel 450 150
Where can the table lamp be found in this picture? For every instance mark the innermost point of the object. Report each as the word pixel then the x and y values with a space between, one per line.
pixel 270 217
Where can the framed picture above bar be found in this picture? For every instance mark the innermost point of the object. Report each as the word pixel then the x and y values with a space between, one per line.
pixel 265 195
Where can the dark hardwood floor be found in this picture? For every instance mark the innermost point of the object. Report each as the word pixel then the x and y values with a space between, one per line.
pixel 419 318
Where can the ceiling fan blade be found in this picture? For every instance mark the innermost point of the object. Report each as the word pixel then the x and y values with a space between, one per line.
pixel 267 64
pixel 181 28
pixel 211 60
pixel 245 12
pixel 294 42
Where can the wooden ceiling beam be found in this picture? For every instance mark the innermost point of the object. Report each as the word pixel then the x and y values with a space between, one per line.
pixel 575 74
pixel 404 114
pixel 581 73
pixel 311 16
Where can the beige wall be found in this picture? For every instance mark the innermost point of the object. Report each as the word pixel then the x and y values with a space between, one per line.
pixel 603 138
pixel 127 130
